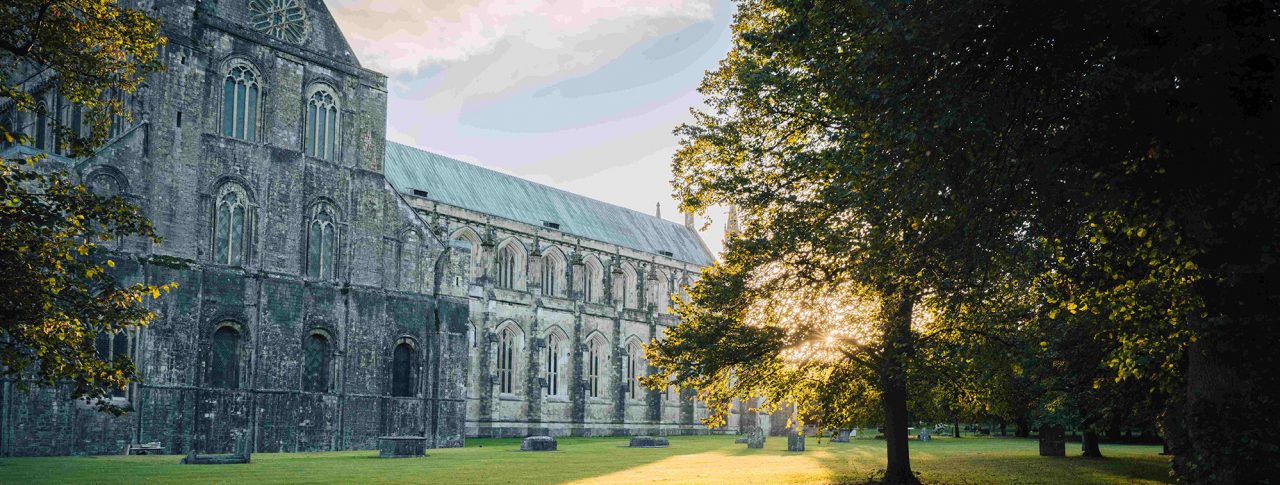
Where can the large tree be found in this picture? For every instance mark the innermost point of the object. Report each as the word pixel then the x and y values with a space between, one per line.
pixel 1118 158
pixel 58 296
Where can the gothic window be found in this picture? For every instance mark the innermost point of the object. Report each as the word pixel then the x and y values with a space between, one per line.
pixel 635 370
pixel 596 355
pixel 316 363
pixel 591 280
pixel 240 102
pixel 322 241
pixel 224 359
pixel 551 272
pixel 472 241
pixel 507 266
pixel 322 124
pixel 507 347
pixel 112 346
pixel 230 220
pixel 662 292
pixel 283 19
pixel 627 294
pixel 403 361
pixel 555 345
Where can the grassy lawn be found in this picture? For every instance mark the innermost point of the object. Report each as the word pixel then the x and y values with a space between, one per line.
pixel 690 459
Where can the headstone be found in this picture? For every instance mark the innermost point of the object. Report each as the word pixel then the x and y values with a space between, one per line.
pixel 924 435
pixel 648 442
pixel 853 433
pixel 1052 441
pixel 795 440
pixel 842 436
pixel 538 443
pixel 755 439
pixel 243 453
pixel 402 446
pixel 740 441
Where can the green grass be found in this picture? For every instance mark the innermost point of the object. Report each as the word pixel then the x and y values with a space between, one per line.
pixel 690 459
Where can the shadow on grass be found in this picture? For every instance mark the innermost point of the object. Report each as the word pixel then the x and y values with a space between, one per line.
pixel 994 461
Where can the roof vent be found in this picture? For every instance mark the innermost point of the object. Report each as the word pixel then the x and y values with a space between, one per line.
pixel 419 192
pixel 668 254
pixel 551 225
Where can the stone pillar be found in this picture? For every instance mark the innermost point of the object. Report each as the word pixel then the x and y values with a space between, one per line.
pixel 795 439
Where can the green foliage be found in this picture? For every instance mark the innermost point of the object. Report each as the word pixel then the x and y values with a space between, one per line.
pixel 1082 205
pixel 58 293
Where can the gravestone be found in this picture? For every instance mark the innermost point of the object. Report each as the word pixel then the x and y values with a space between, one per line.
pixel 402 446
pixel 924 435
pixel 538 443
pixel 841 436
pixel 648 442
pixel 1052 441
pixel 756 438
pixel 740 441
pixel 243 453
pixel 795 440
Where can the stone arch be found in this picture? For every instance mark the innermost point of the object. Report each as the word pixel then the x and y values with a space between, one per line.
pixel 624 287
pixel 317 360
pixel 226 355
pixel 322 120
pixel 592 279
pixel 510 349
pixel 232 223
pixel 472 238
pixel 634 367
pixel 107 181
pixel 660 290
pixel 511 263
pixel 553 272
pixel 404 367
pixel 596 364
pixel 242 88
pixel 555 361
pixel 323 238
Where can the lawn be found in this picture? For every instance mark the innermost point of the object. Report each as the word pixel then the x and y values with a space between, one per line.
pixel 690 459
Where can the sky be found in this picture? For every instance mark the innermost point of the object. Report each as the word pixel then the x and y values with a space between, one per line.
pixel 581 95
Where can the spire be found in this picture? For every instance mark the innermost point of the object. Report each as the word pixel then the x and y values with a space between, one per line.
pixel 731 225
pixel 688 221
pixel 657 210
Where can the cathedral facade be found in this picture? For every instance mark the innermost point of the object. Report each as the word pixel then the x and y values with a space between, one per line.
pixel 334 287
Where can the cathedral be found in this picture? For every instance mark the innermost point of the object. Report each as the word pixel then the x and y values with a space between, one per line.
pixel 334 287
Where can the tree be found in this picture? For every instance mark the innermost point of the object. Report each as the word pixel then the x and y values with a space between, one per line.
pixel 924 151
pixel 58 294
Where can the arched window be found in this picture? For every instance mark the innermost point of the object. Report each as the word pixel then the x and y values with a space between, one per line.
pixel 229 225
pixel 591 283
pixel 322 239
pixel 555 349
pixel 403 363
pixel 240 102
pixel 322 124
pixel 627 293
pixel 507 266
pixel 472 241
pixel 316 363
pixel 111 347
pixel 552 271
pixel 507 351
pixel 596 355
pixel 224 359
pixel 661 292
pixel 635 370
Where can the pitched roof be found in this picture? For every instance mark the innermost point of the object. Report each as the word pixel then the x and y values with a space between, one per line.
pixel 461 184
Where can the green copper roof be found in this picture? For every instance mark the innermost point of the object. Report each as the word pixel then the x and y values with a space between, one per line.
pixel 477 188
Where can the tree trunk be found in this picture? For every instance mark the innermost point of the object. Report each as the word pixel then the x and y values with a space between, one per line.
pixel 1089 444
pixel 898 343
pixel 955 429
pixel 1023 426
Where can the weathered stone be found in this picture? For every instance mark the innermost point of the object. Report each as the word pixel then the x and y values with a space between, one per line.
pixel 924 434
pixel 795 440
pixel 648 442
pixel 740 441
pixel 402 446
pixel 1052 440
pixel 538 443
pixel 756 438
pixel 842 436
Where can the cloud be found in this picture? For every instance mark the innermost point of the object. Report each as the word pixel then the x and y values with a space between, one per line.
pixel 519 40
